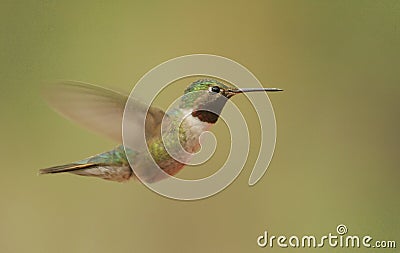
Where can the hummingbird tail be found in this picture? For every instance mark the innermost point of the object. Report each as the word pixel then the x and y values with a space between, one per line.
pixel 67 168
pixel 111 165
pixel 99 170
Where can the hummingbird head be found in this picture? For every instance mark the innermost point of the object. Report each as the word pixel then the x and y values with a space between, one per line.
pixel 207 97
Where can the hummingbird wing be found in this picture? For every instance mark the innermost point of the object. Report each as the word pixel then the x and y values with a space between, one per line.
pixel 101 109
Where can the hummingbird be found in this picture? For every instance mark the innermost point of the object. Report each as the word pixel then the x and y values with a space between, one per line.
pixel 102 110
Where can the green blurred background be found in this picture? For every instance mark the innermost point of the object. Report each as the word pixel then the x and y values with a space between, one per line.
pixel 337 153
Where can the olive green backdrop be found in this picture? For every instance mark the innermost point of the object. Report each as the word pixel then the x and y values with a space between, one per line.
pixel 337 153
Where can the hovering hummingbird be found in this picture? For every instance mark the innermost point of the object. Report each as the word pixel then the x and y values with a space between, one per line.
pixel 102 110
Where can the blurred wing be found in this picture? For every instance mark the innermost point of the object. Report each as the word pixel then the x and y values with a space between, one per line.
pixel 99 109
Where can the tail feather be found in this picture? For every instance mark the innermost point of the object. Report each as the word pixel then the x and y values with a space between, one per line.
pixel 67 168
pixel 111 165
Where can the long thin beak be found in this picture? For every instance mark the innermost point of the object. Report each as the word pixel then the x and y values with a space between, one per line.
pixel 254 90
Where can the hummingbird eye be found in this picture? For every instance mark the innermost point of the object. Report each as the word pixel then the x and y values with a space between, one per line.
pixel 215 89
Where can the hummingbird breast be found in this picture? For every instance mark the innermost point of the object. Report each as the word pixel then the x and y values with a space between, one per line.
pixel 193 127
pixel 171 153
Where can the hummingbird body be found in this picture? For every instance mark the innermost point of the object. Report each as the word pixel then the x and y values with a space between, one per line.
pixel 195 113
pixel 113 165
